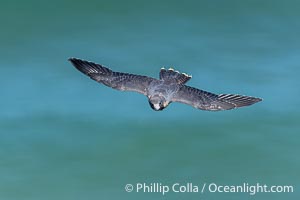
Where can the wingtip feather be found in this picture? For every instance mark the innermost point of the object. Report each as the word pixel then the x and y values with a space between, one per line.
pixel 239 100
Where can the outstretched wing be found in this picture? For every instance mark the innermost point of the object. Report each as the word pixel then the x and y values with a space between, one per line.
pixel 208 101
pixel 116 80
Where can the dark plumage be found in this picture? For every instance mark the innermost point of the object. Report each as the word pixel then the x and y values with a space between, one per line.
pixel 161 92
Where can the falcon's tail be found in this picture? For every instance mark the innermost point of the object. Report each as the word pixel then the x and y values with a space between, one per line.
pixel 235 101
pixel 89 68
pixel 171 75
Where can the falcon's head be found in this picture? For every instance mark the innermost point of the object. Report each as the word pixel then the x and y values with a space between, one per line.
pixel 158 102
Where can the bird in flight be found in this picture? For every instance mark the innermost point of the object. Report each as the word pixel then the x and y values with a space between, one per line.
pixel 170 87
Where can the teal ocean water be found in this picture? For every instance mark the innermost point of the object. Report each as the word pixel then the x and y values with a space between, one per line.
pixel 63 136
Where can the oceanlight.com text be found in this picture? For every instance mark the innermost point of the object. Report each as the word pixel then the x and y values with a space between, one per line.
pixel 247 188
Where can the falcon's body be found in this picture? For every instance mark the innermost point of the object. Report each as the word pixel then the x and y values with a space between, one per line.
pixel 170 87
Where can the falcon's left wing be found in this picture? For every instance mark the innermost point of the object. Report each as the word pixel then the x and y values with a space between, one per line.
pixel 116 80
pixel 208 101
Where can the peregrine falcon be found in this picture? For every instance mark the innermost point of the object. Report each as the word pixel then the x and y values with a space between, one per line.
pixel 170 87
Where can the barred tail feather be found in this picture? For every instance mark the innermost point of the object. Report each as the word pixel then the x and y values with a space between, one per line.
pixel 171 75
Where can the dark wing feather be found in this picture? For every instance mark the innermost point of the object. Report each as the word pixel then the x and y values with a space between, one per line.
pixel 208 101
pixel 116 80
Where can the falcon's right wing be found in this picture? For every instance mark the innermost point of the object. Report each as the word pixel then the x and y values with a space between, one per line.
pixel 116 80
pixel 208 101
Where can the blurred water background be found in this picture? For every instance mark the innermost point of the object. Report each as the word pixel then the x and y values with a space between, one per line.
pixel 63 136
